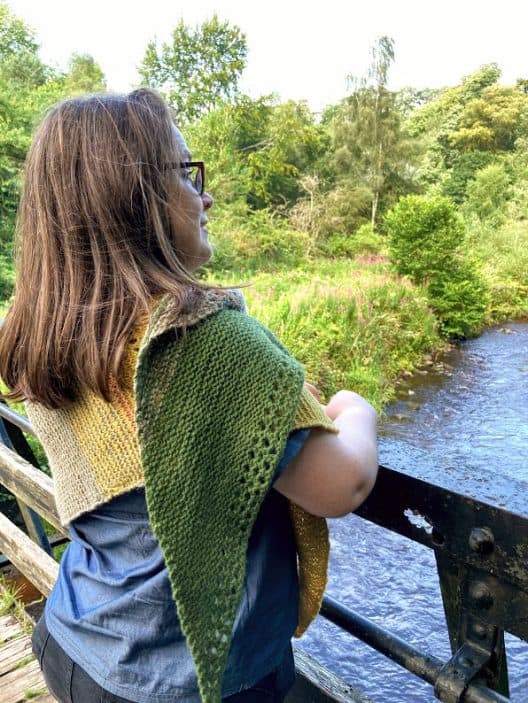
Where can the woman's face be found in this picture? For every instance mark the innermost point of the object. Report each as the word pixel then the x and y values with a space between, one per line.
pixel 188 215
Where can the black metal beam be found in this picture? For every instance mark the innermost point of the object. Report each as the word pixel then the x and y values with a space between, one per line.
pixel 425 666
pixel 491 543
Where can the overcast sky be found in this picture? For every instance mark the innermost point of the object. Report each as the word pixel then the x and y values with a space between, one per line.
pixel 300 50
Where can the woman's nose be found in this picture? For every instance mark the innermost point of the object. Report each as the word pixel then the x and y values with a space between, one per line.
pixel 207 200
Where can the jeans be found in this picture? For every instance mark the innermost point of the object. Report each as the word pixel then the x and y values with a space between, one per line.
pixel 69 683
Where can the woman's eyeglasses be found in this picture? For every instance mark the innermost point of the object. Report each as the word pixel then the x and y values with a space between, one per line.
pixel 194 171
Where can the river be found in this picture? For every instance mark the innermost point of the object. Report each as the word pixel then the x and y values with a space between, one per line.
pixel 462 424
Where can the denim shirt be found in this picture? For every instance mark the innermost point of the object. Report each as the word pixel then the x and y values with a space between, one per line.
pixel 112 611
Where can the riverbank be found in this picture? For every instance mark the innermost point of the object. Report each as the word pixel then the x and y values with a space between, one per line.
pixel 355 324
pixel 351 323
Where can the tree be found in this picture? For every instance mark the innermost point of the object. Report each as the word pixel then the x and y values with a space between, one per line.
pixel 292 144
pixel 467 126
pixel 487 195
pixel 198 68
pixel 27 88
pixel 370 146
pixel 410 99
pixel 224 138
pixel 493 121
pixel 256 150
pixel 84 75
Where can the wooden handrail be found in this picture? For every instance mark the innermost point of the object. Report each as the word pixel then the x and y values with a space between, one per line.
pixel 27 556
pixel 29 484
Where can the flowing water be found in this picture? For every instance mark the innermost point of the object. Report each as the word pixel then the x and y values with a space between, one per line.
pixel 462 425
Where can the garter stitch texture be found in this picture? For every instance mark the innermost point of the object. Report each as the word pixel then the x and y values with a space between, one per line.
pixel 206 458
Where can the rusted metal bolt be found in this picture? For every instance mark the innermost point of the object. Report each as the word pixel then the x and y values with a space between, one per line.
pixel 481 540
pixel 481 595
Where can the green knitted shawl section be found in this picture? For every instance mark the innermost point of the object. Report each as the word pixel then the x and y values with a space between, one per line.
pixel 214 407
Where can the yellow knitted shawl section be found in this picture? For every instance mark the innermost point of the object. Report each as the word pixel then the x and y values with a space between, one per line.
pixel 93 449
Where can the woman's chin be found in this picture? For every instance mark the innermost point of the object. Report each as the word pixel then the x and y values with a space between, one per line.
pixel 199 258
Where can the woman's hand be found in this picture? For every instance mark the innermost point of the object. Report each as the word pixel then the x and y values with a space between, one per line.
pixel 348 400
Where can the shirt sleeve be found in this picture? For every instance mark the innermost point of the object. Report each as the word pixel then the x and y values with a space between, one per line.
pixel 294 445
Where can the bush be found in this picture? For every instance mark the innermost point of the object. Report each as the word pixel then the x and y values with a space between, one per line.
pixel 425 240
pixel 503 255
pixel 463 170
pixel 248 241
pixel 364 241
pixel 342 211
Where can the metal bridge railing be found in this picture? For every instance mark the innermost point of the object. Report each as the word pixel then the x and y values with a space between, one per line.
pixel 481 555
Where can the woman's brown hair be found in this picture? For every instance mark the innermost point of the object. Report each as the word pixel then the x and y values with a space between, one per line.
pixel 93 244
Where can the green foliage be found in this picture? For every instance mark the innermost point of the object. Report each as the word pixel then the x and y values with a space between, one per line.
pixel 296 196
pixel 11 603
pixel 338 212
pixel 293 143
pixel 517 165
pixel 84 75
pixel 492 121
pixel 344 209
pixel 365 242
pixel 466 127
pixel 31 693
pixel 27 87
pixel 258 149
pixel 424 234
pixel 464 167
pixel 198 68
pixel 441 115
pixel 350 326
pixel 487 195
pixel 224 137
pixel 503 255
pixel 410 99
pixel 425 242
pixel 7 267
pixel 249 241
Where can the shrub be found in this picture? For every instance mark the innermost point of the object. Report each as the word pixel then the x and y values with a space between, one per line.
pixel 425 243
pixel 503 255
pixel 247 240
pixel 364 241
pixel 343 210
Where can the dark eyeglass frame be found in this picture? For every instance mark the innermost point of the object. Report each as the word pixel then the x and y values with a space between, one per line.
pixel 201 170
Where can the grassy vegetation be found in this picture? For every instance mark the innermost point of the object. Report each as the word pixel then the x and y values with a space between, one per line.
pixel 11 605
pixel 351 324
pixel 502 253
pixel 31 693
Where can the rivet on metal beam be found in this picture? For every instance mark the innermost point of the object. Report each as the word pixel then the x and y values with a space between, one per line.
pixel 479 631
pixel 481 595
pixel 481 540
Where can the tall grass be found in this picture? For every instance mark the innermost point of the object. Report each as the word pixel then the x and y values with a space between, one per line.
pixel 351 325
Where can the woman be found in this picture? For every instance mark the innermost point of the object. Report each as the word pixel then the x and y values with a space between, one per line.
pixel 190 461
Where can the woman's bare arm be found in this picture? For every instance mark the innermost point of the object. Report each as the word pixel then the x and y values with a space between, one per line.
pixel 333 474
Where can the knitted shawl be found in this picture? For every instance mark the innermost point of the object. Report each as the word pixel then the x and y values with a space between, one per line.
pixel 216 396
